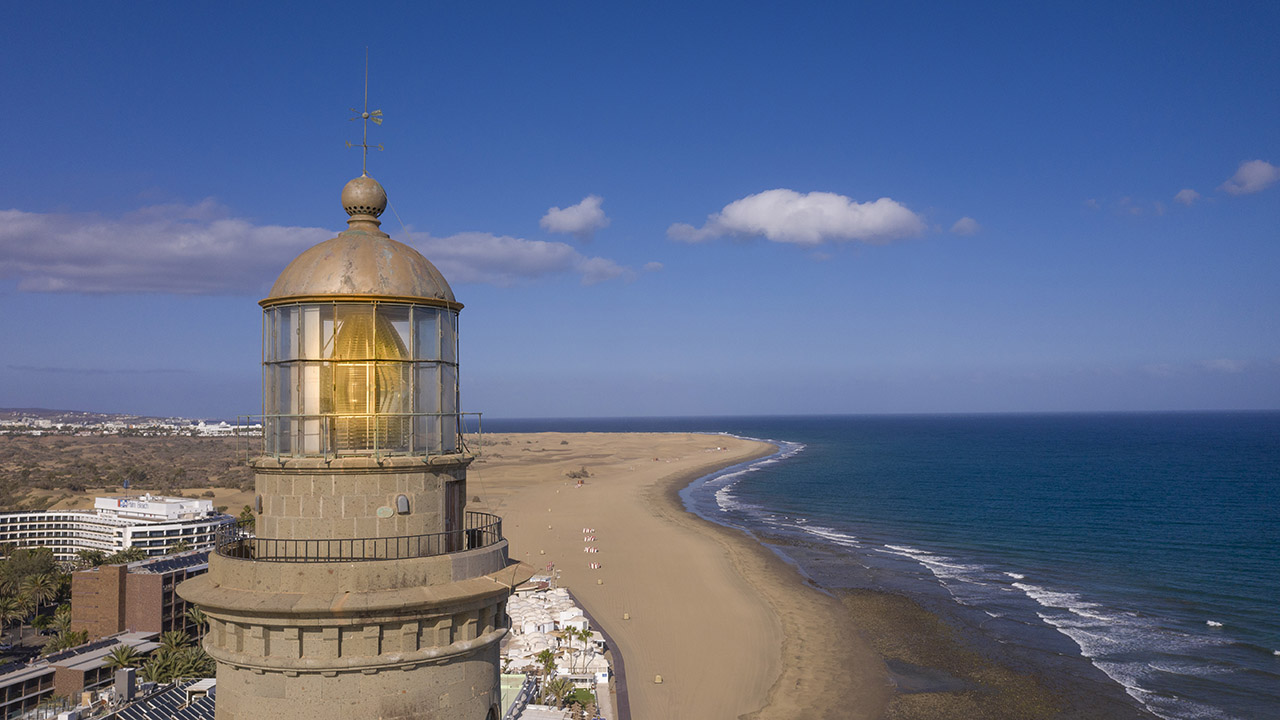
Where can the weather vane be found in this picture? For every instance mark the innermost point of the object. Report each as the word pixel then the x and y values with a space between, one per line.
pixel 366 116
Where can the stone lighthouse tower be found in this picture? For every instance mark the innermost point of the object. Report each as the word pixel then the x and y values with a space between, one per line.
pixel 366 589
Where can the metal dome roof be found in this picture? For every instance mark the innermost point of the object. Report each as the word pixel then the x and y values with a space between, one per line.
pixel 362 262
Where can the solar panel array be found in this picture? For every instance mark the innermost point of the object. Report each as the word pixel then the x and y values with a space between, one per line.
pixel 168 705
pixel 80 650
pixel 159 567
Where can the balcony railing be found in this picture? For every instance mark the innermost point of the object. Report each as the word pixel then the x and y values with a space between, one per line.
pixel 334 435
pixel 480 530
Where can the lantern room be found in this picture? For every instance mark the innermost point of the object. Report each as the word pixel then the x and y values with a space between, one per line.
pixel 360 339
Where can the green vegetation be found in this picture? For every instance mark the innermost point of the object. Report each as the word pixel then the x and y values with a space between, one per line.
pixel 123 656
pixel 557 690
pixel 583 698
pixel 196 617
pixel 65 641
pixel 177 658
pixel 31 581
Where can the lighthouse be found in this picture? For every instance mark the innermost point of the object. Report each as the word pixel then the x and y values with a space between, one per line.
pixel 366 589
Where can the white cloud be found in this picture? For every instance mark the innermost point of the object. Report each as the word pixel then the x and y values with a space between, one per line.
pixel 476 257
pixel 966 226
pixel 1225 365
pixel 652 266
pixel 1186 196
pixel 1160 370
pixel 200 250
pixel 809 219
pixel 177 249
pixel 1126 206
pixel 581 220
pixel 1251 177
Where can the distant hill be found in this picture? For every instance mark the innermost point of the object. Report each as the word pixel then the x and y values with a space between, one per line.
pixel 86 417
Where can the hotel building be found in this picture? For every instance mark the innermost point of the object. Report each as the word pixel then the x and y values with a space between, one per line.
pixel 151 523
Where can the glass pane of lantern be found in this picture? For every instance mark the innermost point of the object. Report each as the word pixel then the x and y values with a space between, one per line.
pixel 449 336
pixel 395 319
pixel 426 333
pixel 353 332
pixel 285 333
pixel 327 312
pixel 449 388
pixel 449 406
pixel 310 337
pixel 393 406
pixel 270 426
pixel 426 405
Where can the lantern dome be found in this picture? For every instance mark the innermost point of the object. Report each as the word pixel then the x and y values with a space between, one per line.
pixel 362 261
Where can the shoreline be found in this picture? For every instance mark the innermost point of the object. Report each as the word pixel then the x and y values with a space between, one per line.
pixel 733 629
pixel 938 666
pixel 817 637
pixel 730 623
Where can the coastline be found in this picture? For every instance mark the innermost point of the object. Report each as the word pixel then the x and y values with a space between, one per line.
pixel 732 629
pixel 828 669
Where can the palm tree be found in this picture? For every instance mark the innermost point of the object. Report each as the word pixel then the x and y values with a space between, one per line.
pixel 166 664
pixel 158 669
pixel 559 689
pixel 547 660
pixel 26 609
pixel 196 616
pixel 91 558
pixel 8 579
pixel 193 662
pixel 41 588
pixel 570 634
pixel 61 622
pixel 65 641
pixel 10 611
pixel 174 640
pixel 130 554
pixel 123 656
pixel 180 546
pixel 583 635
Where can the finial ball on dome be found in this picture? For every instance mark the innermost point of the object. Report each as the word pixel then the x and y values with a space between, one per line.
pixel 364 196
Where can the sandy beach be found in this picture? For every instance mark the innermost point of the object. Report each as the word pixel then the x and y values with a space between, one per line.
pixel 732 630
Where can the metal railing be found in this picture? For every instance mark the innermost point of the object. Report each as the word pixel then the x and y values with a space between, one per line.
pixel 334 435
pixel 479 530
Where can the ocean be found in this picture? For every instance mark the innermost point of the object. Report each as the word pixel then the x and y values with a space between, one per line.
pixel 1128 555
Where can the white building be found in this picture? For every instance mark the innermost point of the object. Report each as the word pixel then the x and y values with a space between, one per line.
pixel 538 621
pixel 115 523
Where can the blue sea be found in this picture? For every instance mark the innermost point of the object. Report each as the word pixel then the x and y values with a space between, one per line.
pixel 1131 556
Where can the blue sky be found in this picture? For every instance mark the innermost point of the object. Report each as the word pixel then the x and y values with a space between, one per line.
pixel 669 209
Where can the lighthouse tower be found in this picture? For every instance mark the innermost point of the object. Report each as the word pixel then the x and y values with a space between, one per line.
pixel 366 589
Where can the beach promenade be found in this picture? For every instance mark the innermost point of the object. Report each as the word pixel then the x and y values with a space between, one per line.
pixel 731 630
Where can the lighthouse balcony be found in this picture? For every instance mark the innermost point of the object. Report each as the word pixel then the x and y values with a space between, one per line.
pixel 480 530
